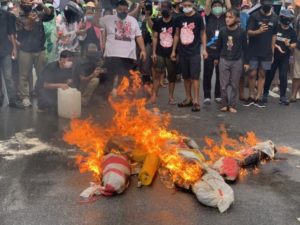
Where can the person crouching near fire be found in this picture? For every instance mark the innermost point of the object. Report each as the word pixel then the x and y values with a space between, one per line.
pixel 231 45
pixel 55 75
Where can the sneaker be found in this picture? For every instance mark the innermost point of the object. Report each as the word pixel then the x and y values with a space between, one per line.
pixel 275 89
pixel 26 102
pixel 218 100
pixel 283 101
pixel 207 101
pixel 259 103
pixel 16 104
pixel 264 99
pixel 248 102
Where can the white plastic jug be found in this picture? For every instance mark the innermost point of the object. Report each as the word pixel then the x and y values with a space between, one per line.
pixel 69 103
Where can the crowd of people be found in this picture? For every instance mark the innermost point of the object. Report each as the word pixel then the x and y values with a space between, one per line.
pixel 82 44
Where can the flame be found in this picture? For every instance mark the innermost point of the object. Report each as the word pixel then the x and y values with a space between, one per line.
pixel 228 147
pixel 151 133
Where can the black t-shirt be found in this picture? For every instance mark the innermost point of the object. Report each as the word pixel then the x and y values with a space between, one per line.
pixel 213 26
pixel 232 44
pixel 166 32
pixel 31 35
pixel 7 28
pixel 53 74
pixel 261 45
pixel 190 34
pixel 281 36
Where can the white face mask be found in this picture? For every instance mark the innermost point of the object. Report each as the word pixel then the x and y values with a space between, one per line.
pixel 187 10
pixel 68 64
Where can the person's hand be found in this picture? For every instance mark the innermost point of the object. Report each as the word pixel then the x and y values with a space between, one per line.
pixel 287 42
pixel 96 72
pixel 246 67
pixel 205 55
pixel 143 55
pixel 263 28
pixel 173 56
pixel 216 62
pixel 14 54
pixel 279 49
pixel 64 86
pixel 69 82
pixel 154 58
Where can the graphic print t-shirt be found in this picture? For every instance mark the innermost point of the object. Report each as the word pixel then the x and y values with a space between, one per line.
pixel 281 36
pixel 190 34
pixel 166 32
pixel 120 36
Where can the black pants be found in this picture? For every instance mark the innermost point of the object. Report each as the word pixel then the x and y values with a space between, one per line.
pixel 208 73
pixel 47 99
pixel 282 64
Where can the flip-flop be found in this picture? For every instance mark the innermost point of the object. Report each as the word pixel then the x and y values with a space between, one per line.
pixel 185 103
pixel 172 102
pixel 196 107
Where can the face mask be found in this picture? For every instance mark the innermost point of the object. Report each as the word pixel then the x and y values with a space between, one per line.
pixel 68 64
pixel 122 15
pixel 266 8
pixel 285 21
pixel 217 11
pixel 187 10
pixel 26 8
pixel 165 13
pixel 90 17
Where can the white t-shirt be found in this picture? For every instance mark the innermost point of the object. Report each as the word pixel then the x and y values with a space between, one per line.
pixel 120 36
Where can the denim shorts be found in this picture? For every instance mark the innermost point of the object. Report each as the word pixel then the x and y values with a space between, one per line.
pixel 260 63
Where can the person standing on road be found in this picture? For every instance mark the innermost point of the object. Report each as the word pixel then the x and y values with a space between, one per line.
pixel 285 42
pixel 122 32
pixel 163 37
pixel 190 34
pixel 232 47
pixel 215 20
pixel 262 30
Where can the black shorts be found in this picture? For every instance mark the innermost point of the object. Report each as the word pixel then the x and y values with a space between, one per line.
pixel 190 67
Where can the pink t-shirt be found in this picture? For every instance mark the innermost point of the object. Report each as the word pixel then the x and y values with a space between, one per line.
pixel 120 36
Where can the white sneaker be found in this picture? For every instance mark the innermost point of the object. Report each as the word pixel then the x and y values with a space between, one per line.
pixel 207 101
pixel 26 102
pixel 218 100
pixel 275 89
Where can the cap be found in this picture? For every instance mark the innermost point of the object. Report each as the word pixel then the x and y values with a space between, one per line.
pixel 286 13
pixel 266 2
pixel 90 4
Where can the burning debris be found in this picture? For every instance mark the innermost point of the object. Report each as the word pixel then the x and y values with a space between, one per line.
pixel 139 142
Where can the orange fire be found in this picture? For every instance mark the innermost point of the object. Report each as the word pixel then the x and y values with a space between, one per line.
pixel 228 147
pixel 150 131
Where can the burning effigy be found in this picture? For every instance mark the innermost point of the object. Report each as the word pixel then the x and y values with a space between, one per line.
pixel 140 142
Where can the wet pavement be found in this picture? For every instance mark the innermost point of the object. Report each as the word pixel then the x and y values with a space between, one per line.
pixel 39 183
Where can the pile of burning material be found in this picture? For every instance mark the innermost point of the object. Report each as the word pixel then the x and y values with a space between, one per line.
pixel 139 142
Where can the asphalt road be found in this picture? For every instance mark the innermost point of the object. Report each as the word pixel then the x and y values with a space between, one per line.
pixel 39 183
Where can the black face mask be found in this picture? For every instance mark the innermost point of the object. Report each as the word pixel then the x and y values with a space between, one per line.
pixel 122 15
pixel 266 8
pixel 285 21
pixel 165 13
pixel 26 8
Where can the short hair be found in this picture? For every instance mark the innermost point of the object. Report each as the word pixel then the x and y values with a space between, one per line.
pixel 66 54
pixel 192 1
pixel 167 3
pixel 122 3
pixel 234 12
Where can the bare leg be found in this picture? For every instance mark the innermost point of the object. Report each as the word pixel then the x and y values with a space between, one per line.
pixel 260 83
pixel 188 89
pixel 252 81
pixel 156 83
pixel 196 91
pixel 171 91
pixel 295 88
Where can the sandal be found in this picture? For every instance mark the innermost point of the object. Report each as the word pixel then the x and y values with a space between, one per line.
pixel 185 103
pixel 232 110
pixel 172 102
pixel 293 100
pixel 224 109
pixel 196 107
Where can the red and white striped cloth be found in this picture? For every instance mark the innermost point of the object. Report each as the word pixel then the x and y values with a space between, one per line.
pixel 116 171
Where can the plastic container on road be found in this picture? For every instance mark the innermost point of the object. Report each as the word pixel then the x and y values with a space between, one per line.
pixel 69 103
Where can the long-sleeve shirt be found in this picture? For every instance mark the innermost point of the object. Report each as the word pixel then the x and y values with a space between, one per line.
pixel 232 44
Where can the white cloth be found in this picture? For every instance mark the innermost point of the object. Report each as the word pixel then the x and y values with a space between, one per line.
pixel 120 36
